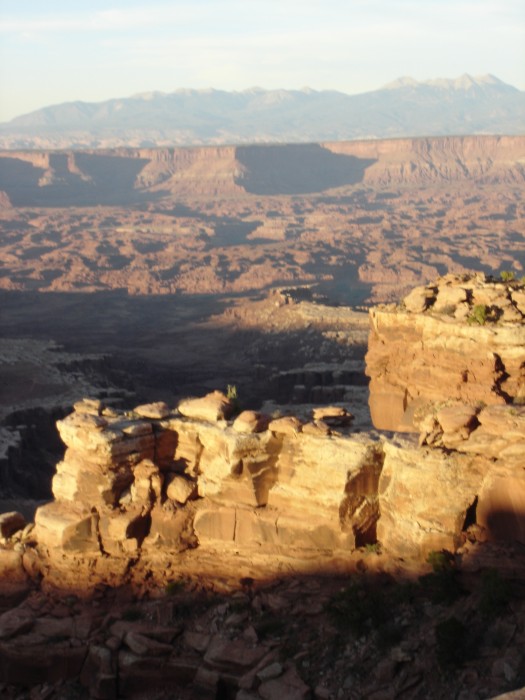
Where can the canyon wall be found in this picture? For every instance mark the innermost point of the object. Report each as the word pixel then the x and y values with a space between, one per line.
pixel 461 339
pixel 51 176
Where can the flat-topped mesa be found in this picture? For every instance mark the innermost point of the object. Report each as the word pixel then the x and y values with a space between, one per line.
pixel 461 338
pixel 154 482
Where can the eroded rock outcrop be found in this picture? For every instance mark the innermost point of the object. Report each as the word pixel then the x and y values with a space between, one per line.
pixel 138 483
pixel 460 339
pixel 450 364
pixel 140 493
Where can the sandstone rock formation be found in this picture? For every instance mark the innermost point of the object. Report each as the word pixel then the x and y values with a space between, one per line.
pixel 450 364
pixel 460 339
pixel 152 500
pixel 133 484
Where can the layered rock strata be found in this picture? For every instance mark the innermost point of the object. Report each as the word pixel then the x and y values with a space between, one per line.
pixel 151 481
pixel 461 339
pixel 449 363
pixel 137 491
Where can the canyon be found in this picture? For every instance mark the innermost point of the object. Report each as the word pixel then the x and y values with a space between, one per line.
pixel 172 505
pixel 220 546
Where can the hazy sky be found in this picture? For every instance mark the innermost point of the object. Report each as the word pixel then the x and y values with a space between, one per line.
pixel 54 51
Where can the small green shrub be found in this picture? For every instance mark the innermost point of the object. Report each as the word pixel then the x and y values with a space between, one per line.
pixel 174 587
pixel 440 561
pixel 373 548
pixel 356 607
pixel 507 276
pixel 495 594
pixel 233 395
pixel 451 640
pixel 479 315
pixel 442 585
pixel 132 615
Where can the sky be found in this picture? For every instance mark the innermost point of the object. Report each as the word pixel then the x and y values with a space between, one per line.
pixel 55 51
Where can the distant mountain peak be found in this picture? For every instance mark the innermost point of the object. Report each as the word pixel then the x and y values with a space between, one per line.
pixel 405 107
pixel 464 82
pixel 404 81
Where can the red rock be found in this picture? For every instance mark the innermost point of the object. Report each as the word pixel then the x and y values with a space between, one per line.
pixel 289 686
pixel 231 655
pixel 212 407
pixel 287 425
pixel 15 622
pixel 250 422
pixel 156 411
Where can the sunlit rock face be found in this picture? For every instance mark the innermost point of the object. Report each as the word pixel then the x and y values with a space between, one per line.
pixel 449 363
pixel 424 496
pixel 153 480
pixel 459 339
pixel 140 490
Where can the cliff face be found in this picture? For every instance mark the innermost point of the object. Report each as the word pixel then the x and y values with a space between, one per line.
pixel 450 364
pixel 154 483
pixel 460 339
pixel 149 501
pixel 84 177
pixel 487 159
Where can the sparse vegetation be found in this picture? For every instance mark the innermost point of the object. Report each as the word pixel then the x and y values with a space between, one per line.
pixel 495 594
pixel 356 607
pixel 233 395
pixel 132 614
pixel 507 276
pixel 451 639
pixel 440 561
pixel 373 548
pixel 442 585
pixel 479 315
pixel 174 587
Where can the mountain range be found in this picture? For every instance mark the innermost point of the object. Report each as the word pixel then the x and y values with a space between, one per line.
pixel 405 107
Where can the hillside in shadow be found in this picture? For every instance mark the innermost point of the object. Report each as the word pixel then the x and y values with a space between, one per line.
pixel 102 181
pixel 297 169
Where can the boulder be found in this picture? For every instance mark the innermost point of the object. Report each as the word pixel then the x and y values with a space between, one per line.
pixel 333 416
pixel 317 427
pixel 287 425
pixel 448 298
pixel 232 656
pixel 251 422
pixel 290 686
pixel 180 489
pixel 457 416
pixel 67 526
pixel 213 407
pixel 12 570
pixel 418 299
pixel 155 411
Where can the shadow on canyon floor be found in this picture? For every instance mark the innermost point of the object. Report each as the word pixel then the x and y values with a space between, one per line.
pixel 170 344
pixel 105 180
pixel 297 169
